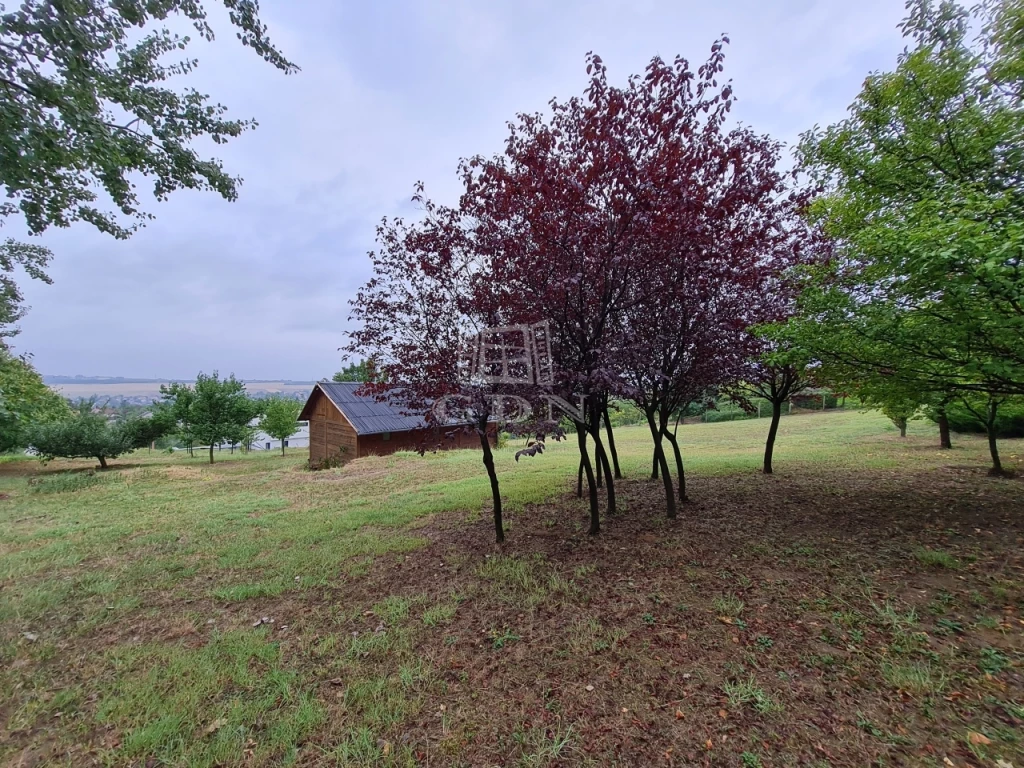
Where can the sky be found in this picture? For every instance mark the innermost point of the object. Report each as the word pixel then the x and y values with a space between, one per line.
pixel 390 92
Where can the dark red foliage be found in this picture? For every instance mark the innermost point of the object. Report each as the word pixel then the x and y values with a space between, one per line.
pixel 648 235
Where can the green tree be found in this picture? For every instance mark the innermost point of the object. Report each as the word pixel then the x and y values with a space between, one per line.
pixel 211 411
pixel 176 408
pixel 25 401
pixel 82 435
pixel 280 418
pixel 362 371
pixel 141 431
pixel 780 372
pixel 86 108
pixel 985 409
pixel 32 259
pixel 925 201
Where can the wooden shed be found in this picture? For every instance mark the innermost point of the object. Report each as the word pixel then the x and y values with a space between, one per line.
pixel 348 425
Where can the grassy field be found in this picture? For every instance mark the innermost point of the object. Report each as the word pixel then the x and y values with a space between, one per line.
pixel 862 606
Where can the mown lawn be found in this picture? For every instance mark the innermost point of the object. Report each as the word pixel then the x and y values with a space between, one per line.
pixel 862 606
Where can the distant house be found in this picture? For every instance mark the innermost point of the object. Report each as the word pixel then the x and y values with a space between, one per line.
pixel 348 425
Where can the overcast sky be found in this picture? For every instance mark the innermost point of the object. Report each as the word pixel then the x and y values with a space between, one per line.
pixel 390 93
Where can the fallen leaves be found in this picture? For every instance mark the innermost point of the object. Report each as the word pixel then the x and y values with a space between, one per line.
pixel 978 738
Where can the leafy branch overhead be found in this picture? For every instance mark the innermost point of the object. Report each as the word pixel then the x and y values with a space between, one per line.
pixel 86 105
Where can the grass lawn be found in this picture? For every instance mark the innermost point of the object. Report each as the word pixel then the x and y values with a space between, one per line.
pixel 863 606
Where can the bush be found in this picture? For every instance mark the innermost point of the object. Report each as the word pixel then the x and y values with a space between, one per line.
pixel 622 413
pixel 327 462
pixel 1009 420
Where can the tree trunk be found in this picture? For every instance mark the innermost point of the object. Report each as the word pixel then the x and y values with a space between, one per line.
pixel 211 453
pixel 680 472
pixel 595 520
pixel 773 431
pixel 654 465
pixel 601 459
pixel 282 447
pixel 601 455
pixel 902 424
pixel 598 465
pixel 611 441
pixel 485 443
pixel 103 461
pixel 579 481
pixel 993 448
pixel 659 458
pixel 943 421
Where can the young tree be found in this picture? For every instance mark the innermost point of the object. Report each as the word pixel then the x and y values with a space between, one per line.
pixel 213 410
pixel 280 418
pixel 776 375
pixel 986 411
pixel 84 434
pixel 621 209
pixel 25 402
pixel 416 317
pixel 141 431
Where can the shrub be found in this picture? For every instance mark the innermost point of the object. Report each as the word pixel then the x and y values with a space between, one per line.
pixel 622 413
pixel 333 461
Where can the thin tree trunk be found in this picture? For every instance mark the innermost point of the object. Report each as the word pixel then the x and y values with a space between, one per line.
pixel 485 443
pixel 103 461
pixel 598 466
pixel 993 448
pixel 654 465
pixel 579 481
pixel 943 421
pixel 282 447
pixel 595 520
pixel 611 441
pixel 773 431
pixel 659 457
pixel 211 453
pixel 902 424
pixel 680 472
pixel 601 459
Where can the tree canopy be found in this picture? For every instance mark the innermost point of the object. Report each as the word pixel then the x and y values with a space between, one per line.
pixel 211 411
pixel 280 418
pixel 924 195
pixel 25 401
pixel 87 107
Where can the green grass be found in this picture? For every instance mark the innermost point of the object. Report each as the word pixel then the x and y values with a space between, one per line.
pixel 128 598
pixel 936 558
pixel 748 693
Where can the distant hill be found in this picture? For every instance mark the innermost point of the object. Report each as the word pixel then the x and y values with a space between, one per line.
pixel 119 389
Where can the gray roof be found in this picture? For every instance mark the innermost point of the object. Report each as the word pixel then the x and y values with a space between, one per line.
pixel 366 413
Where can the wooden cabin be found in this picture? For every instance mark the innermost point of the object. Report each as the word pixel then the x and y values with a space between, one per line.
pixel 347 425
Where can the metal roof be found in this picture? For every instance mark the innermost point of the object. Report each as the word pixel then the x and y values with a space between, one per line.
pixel 366 413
